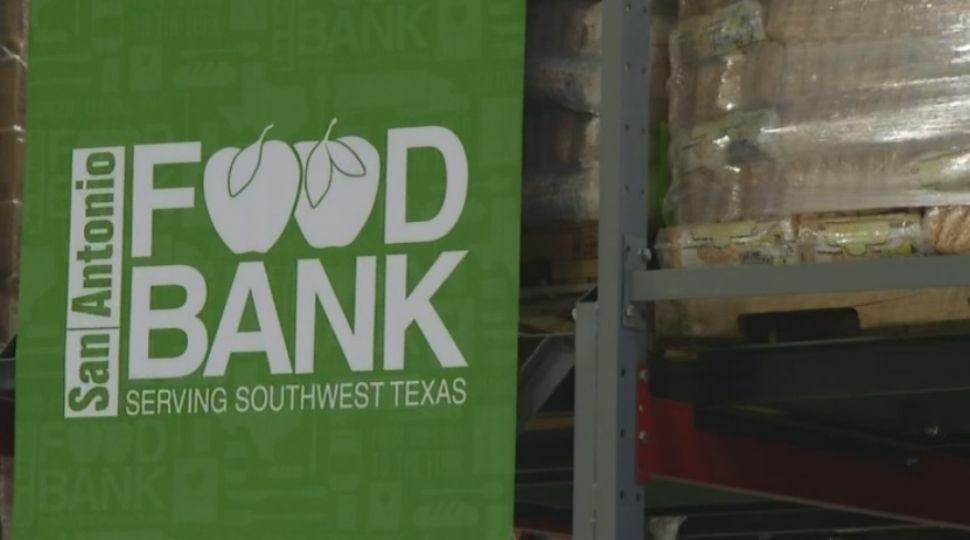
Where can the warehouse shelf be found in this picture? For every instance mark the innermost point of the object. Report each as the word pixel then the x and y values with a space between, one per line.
pixel 870 275
pixel 791 423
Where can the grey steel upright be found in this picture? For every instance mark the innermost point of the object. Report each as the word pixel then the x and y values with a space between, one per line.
pixel 608 503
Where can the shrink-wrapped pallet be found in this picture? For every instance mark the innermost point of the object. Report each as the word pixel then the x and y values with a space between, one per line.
pixel 563 88
pixel 784 107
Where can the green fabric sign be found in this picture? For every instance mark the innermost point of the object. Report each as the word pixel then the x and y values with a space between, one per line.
pixel 270 274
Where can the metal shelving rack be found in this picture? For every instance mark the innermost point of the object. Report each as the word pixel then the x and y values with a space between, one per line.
pixel 640 419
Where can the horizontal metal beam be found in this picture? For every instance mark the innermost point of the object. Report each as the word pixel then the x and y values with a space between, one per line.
pixel 734 281
pixel 780 374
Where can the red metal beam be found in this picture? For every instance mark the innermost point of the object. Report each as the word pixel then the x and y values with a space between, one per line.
pixel 934 491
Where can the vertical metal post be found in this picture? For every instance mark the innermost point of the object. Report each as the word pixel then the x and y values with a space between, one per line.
pixel 616 508
pixel 584 425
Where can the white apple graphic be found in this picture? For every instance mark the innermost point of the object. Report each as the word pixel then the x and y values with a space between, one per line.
pixel 250 193
pixel 340 182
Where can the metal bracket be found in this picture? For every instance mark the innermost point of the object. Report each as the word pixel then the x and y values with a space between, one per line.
pixel 637 255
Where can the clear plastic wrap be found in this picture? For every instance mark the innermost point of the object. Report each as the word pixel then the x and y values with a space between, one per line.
pixel 13 68
pixel 728 244
pixel 846 20
pixel 783 107
pixel 805 239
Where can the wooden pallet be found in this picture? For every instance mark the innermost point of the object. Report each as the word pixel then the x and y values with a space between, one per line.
pixel 558 267
pixel 549 310
pixel 559 254
pixel 772 319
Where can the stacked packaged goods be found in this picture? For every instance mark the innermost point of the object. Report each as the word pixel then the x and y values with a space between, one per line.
pixel 846 118
pixel 561 154
pixel 13 45
pixel 562 131
pixel 561 138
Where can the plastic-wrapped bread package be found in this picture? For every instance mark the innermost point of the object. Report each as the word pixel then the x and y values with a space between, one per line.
pixel 769 242
pixel 947 229
pixel 557 139
pixel 831 239
pixel 12 116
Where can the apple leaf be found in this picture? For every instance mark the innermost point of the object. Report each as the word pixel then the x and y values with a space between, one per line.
pixel 245 166
pixel 345 159
pixel 327 157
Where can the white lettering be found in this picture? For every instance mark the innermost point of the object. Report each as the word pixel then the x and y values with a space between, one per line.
pixel 250 282
pixel 401 310
pixel 146 198
pixel 397 228
pixel 184 318
pixel 313 286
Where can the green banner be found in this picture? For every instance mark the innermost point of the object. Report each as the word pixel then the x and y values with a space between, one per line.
pixel 270 270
